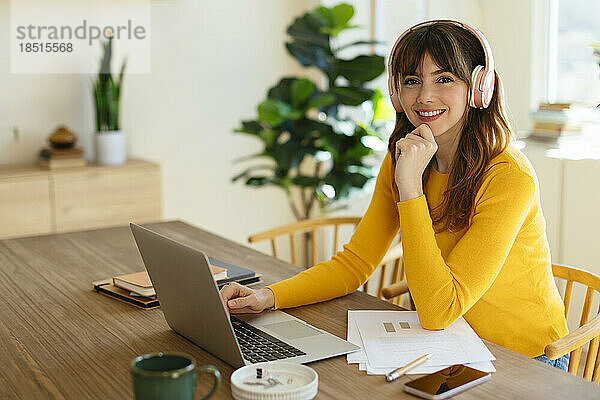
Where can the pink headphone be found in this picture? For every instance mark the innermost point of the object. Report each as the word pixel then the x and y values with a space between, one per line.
pixel 482 77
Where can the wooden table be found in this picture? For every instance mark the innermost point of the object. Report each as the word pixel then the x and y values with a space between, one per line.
pixel 59 339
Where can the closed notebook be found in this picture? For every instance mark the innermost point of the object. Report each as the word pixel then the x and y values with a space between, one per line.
pixel 139 282
pixel 106 288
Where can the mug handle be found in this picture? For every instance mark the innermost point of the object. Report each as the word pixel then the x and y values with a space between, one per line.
pixel 217 378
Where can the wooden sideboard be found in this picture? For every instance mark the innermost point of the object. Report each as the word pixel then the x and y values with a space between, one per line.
pixel 38 201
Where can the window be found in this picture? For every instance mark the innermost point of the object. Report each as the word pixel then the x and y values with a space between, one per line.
pixel 573 74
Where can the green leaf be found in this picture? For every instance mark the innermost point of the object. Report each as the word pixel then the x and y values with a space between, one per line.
pixel 252 156
pixel 342 13
pixel 307 29
pixel 305 181
pixel 258 181
pixel 267 136
pixel 309 129
pixel 295 114
pixel 251 127
pixel 336 16
pixel 248 170
pixel 308 55
pixel 121 74
pixel 351 96
pixel 333 32
pixel 273 111
pixel 361 68
pixel 359 43
pixel 321 100
pixel 301 89
pixel 335 19
pixel 309 45
pixel 282 90
pixel 357 180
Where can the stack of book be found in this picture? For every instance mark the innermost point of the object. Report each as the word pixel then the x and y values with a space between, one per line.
pixel 137 288
pixel 553 120
pixel 52 158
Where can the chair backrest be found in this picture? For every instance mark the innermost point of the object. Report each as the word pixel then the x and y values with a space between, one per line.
pixel 308 226
pixel 589 328
pixel 391 267
pixel 389 271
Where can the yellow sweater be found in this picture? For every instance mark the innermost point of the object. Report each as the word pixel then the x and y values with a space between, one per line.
pixel 496 273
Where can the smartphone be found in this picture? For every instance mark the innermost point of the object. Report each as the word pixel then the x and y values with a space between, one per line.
pixel 446 382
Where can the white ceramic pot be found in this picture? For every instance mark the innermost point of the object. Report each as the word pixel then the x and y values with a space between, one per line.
pixel 111 148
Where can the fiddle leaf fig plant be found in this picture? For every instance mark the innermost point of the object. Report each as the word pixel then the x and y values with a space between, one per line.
pixel 310 144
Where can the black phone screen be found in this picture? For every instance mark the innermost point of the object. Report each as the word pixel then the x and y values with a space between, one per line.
pixel 446 379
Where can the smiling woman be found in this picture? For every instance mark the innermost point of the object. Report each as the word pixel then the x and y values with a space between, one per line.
pixel 434 96
pixel 467 200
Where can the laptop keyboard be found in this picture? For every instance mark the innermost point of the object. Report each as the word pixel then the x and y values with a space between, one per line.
pixel 258 346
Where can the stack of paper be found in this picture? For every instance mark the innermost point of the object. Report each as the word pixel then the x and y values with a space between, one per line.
pixel 391 339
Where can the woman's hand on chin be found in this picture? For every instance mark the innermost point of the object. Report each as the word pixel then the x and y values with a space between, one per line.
pixel 413 154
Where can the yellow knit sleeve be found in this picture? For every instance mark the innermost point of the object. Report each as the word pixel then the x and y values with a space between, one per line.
pixel 444 289
pixel 350 268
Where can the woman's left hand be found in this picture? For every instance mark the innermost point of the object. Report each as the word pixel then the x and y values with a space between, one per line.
pixel 413 154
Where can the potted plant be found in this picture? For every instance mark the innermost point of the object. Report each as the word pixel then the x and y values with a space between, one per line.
pixel 314 144
pixel 109 138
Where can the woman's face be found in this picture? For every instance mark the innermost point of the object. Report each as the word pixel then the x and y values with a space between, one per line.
pixel 434 97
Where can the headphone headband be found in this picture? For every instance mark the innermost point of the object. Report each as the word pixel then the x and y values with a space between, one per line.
pixel 483 77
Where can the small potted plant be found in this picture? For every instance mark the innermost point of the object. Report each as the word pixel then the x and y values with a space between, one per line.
pixel 109 138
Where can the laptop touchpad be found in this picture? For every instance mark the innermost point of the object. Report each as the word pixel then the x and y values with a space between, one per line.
pixel 292 329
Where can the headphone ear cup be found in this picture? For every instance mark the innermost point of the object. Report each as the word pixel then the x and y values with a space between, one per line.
pixel 476 96
pixel 396 103
pixel 394 96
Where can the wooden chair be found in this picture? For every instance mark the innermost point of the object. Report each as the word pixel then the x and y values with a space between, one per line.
pixel 308 226
pixel 589 329
pixel 392 260
pixel 396 290
pixel 389 271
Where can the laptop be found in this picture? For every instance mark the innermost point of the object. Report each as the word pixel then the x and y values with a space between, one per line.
pixel 193 307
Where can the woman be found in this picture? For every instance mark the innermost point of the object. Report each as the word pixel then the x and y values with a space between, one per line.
pixel 467 201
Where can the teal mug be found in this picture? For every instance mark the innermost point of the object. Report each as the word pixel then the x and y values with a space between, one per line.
pixel 169 376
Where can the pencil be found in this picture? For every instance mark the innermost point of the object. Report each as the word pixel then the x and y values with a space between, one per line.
pixel 395 374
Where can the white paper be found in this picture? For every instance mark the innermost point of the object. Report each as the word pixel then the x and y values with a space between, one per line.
pixel 389 350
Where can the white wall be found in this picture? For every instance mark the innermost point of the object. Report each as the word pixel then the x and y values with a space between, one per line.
pixel 212 63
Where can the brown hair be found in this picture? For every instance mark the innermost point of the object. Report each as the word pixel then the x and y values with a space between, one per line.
pixel 485 132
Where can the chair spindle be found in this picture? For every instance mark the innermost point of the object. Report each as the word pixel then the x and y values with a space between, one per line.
pixel 273 247
pixel 567 300
pixel 313 247
pixel 335 238
pixel 293 249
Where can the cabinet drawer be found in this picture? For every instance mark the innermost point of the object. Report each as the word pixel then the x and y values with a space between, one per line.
pixel 106 197
pixel 25 206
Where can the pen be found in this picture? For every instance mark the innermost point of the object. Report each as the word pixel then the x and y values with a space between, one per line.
pixel 395 374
